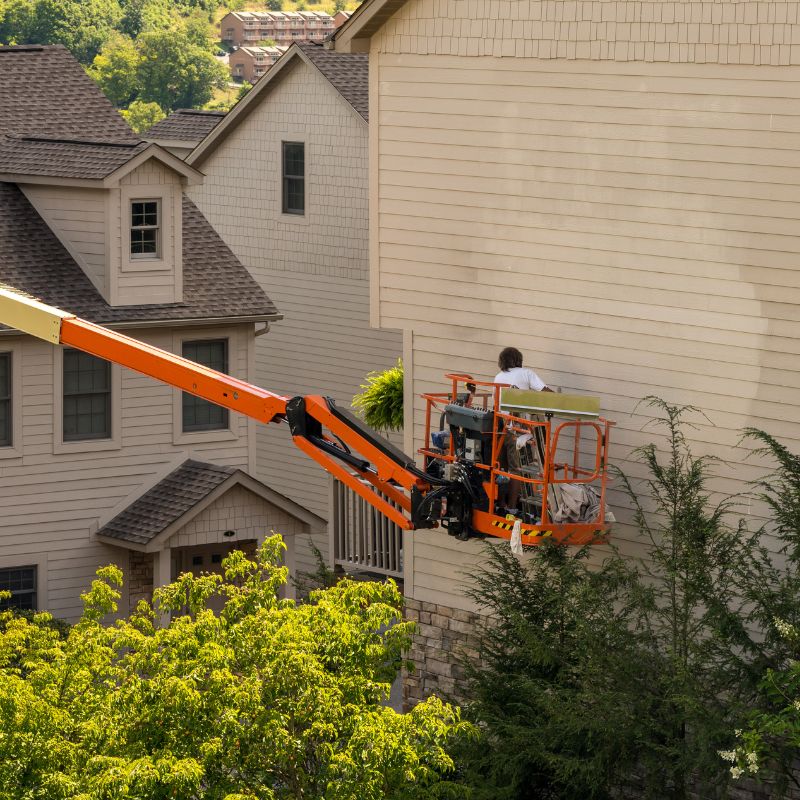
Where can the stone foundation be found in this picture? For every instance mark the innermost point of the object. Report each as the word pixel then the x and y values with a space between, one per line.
pixel 443 634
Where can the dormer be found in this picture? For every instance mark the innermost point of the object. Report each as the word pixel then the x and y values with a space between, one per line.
pixel 116 207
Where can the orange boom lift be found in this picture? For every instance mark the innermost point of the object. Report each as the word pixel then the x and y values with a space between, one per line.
pixel 460 488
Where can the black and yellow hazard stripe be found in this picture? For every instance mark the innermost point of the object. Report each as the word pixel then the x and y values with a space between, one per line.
pixel 508 525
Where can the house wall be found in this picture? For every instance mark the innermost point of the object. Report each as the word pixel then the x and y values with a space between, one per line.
pixel 238 510
pixel 142 281
pixel 616 197
pixel 314 267
pixel 52 496
pixel 78 219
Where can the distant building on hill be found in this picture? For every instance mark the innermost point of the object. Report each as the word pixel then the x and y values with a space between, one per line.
pixel 250 63
pixel 340 17
pixel 284 27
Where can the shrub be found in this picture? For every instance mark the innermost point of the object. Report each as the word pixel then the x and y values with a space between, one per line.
pixel 628 669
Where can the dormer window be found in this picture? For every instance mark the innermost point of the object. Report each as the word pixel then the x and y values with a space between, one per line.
pixel 145 229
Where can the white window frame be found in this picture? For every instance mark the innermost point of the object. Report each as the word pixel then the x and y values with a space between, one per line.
pixel 14 450
pixel 236 427
pixel 169 210
pixel 158 228
pixel 38 560
pixel 85 445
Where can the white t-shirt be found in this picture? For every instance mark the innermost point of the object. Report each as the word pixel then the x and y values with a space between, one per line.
pixel 521 378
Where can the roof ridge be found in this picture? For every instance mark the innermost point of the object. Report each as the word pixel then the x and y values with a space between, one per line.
pixel 61 140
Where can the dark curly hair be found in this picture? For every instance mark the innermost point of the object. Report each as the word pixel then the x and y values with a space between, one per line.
pixel 509 358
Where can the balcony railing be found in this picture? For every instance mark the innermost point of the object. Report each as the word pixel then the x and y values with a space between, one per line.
pixel 361 538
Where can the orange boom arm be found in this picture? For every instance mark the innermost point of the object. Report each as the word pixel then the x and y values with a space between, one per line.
pixel 462 498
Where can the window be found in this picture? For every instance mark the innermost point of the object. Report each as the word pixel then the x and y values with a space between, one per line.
pixel 87 397
pixel 199 414
pixel 6 435
pixel 145 229
pixel 21 582
pixel 294 178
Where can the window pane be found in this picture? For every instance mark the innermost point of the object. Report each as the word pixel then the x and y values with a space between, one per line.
pixel 294 159
pixel 87 397
pixel 293 178
pixel 199 414
pixel 21 582
pixel 5 400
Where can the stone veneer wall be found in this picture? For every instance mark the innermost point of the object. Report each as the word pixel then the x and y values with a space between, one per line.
pixel 140 578
pixel 443 633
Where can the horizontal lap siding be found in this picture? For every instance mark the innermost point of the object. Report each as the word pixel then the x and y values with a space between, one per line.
pixel 313 268
pixel 630 227
pixel 50 501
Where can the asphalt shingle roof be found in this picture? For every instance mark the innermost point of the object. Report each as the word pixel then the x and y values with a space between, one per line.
pixel 55 122
pixel 186 124
pixel 45 92
pixel 62 158
pixel 33 260
pixel 348 73
pixel 166 502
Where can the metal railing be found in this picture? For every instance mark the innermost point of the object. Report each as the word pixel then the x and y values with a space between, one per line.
pixel 361 537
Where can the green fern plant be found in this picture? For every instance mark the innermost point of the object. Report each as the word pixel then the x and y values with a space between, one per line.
pixel 381 402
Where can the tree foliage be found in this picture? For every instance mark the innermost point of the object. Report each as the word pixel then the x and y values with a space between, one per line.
pixel 625 668
pixel 266 699
pixel 142 116
pixel 767 746
pixel 381 402
pixel 175 71
pixel 82 26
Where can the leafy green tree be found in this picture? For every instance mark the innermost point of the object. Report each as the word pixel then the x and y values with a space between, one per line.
pixel 700 571
pixel 339 5
pixel 554 686
pixel 265 700
pixel 115 69
pixel 632 667
pixel 175 72
pixel 80 25
pixel 145 15
pixel 142 116
pixel 274 5
pixel 767 746
pixel 381 402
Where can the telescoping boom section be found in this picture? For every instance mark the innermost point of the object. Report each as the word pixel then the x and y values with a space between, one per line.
pixel 484 443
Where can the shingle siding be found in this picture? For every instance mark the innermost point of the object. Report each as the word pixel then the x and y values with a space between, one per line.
pixel 688 32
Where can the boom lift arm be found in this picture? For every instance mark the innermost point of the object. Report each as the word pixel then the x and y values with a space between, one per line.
pixel 331 436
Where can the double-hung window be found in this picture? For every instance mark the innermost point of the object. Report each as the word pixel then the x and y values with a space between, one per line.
pixel 294 177
pixel 6 431
pixel 87 397
pixel 199 414
pixel 145 229
pixel 21 582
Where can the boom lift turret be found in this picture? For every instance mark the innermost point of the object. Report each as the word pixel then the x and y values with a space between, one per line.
pixel 460 488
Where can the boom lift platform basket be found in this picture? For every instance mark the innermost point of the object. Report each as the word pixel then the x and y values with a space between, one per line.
pixel 462 484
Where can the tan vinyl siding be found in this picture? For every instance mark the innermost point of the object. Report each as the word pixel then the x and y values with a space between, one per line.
pixel 314 268
pixel 144 281
pixel 78 218
pixel 631 226
pixel 51 501
pixel 241 511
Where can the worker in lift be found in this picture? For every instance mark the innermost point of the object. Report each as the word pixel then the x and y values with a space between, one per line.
pixel 512 373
